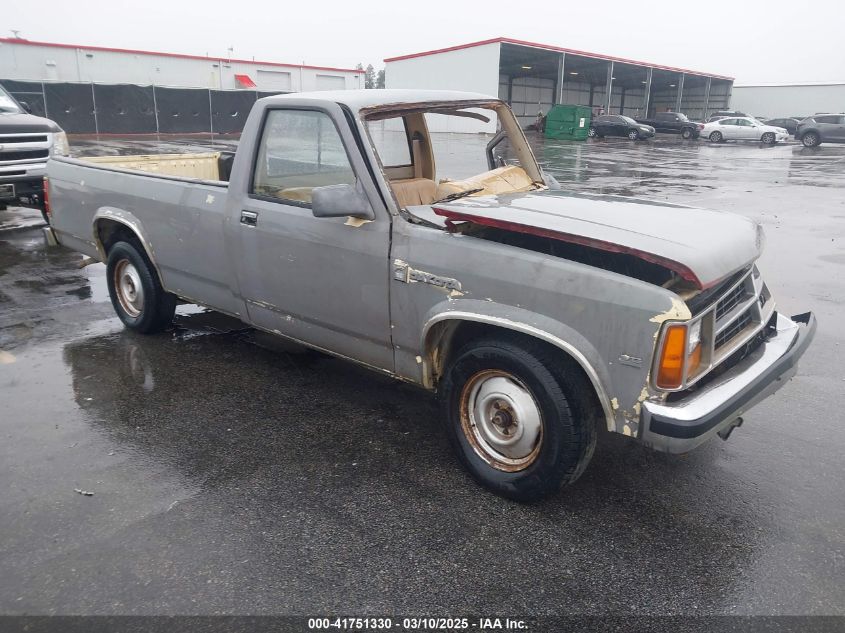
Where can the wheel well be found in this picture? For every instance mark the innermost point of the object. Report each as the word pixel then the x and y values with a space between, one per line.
pixel 110 232
pixel 445 338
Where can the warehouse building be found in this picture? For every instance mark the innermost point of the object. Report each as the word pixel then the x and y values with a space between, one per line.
pixel 532 77
pixel 26 60
pixel 790 100
pixel 97 90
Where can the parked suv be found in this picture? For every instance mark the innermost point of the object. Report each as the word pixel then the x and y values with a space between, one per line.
pixel 26 142
pixel 675 122
pixel 821 128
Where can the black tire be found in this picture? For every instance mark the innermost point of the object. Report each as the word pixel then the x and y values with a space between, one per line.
pixel 769 138
pixel 686 133
pixel 716 137
pixel 560 391
pixel 128 267
pixel 592 132
pixel 633 135
pixel 811 139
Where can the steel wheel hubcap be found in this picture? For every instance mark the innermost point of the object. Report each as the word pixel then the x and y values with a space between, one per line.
pixel 501 420
pixel 127 285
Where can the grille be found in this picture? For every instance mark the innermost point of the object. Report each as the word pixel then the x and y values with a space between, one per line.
pixel 30 138
pixel 737 326
pixel 731 300
pixel 30 154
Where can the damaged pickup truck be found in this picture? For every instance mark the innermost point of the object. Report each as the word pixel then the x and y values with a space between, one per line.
pixel 537 315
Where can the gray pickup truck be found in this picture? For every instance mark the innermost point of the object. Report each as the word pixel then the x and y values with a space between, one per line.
pixel 537 315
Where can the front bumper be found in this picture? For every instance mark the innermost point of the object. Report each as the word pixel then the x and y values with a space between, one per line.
pixel 677 427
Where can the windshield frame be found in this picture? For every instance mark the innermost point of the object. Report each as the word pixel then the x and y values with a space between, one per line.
pixel 507 123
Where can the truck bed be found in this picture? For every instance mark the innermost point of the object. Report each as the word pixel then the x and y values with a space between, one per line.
pixel 204 166
pixel 176 201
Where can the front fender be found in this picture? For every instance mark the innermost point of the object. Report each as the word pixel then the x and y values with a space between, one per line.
pixel 519 320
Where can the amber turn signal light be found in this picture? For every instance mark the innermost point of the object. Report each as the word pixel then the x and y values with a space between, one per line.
pixel 670 371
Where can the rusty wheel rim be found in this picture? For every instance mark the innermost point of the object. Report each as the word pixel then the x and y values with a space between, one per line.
pixel 128 288
pixel 501 420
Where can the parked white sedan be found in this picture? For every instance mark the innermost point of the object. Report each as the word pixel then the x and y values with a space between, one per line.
pixel 743 129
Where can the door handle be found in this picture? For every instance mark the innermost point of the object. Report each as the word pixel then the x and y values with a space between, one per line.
pixel 250 218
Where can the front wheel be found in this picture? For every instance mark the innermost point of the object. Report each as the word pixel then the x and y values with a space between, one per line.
pixel 518 416
pixel 135 290
pixel 592 132
pixel 716 137
pixel 811 139
pixel 769 138
pixel 633 135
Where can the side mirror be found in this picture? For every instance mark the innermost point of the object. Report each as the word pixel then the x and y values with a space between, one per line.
pixel 25 107
pixel 340 201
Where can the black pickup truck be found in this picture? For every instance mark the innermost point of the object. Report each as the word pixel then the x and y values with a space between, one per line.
pixel 26 142
pixel 675 122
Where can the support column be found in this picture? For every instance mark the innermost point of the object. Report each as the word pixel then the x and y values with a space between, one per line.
pixel 561 62
pixel 680 93
pixel 647 96
pixel 94 102
pixel 622 102
pixel 706 99
pixel 608 88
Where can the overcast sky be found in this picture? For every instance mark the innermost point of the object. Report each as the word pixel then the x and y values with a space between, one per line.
pixel 753 41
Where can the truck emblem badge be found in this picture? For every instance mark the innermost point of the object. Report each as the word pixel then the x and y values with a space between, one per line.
pixel 404 273
pixel 631 361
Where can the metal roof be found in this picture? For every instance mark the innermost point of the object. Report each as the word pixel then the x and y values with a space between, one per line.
pixel 560 49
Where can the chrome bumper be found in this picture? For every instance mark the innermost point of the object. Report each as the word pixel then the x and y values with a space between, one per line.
pixel 677 427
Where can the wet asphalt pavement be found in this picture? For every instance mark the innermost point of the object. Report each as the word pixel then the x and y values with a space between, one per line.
pixel 234 475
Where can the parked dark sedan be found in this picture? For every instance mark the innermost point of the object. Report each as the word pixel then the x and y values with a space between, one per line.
pixel 787 123
pixel 618 125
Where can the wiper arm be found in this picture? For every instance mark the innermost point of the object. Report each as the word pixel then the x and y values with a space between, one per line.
pixel 458 194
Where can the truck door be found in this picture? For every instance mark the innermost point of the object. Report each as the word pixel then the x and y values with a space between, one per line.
pixel 322 281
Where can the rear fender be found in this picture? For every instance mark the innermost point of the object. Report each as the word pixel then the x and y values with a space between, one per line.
pixel 130 221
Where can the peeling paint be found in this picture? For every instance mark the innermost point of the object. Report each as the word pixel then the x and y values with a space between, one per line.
pixel 419 360
pixel 6 358
pixel 614 402
pixel 209 199
pixel 626 430
pixel 356 222
pixel 678 312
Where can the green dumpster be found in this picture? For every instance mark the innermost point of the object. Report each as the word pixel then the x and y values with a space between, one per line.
pixel 570 122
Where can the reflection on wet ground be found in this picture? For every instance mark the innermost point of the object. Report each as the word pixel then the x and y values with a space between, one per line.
pixel 234 473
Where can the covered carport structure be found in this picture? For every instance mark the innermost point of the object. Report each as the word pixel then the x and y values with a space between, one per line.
pixel 532 77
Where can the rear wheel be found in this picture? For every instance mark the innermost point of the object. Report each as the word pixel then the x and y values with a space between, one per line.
pixel 633 135
pixel 519 416
pixel 769 138
pixel 135 290
pixel 592 133
pixel 716 137
pixel 811 139
pixel 686 133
